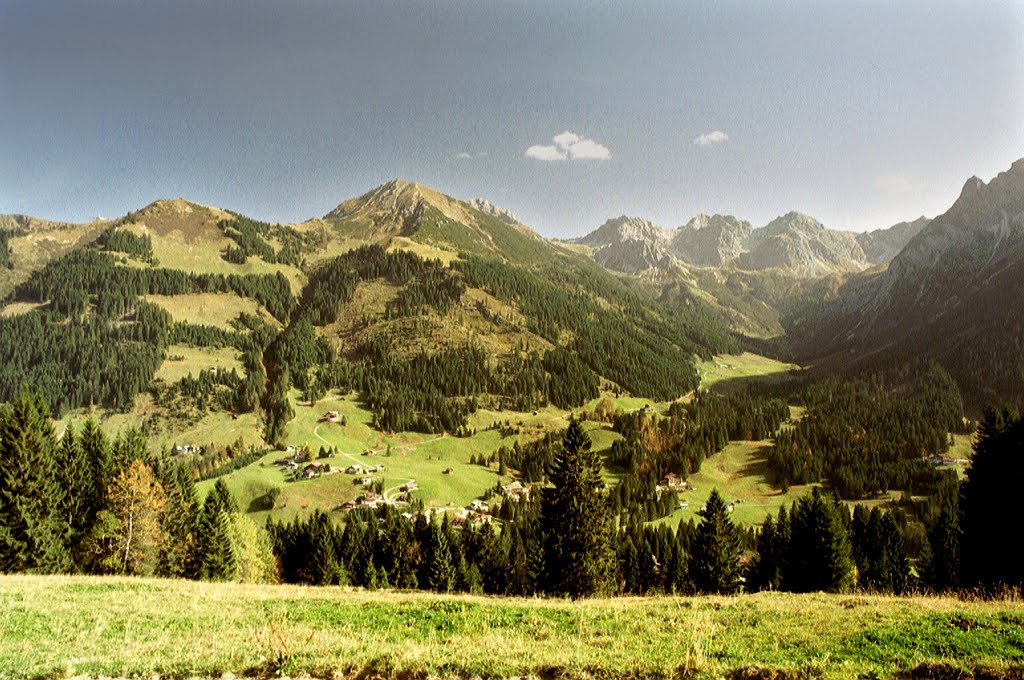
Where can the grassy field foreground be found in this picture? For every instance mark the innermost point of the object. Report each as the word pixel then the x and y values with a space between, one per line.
pixel 68 626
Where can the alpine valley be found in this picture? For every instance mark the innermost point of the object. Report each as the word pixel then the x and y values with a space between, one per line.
pixel 409 351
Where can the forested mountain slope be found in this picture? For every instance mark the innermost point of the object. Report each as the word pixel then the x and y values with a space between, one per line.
pixel 952 293
pixel 422 303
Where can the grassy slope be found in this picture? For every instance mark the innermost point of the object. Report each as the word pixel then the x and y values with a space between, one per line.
pixel 413 456
pixel 209 309
pixel 728 372
pixel 60 626
pixel 184 360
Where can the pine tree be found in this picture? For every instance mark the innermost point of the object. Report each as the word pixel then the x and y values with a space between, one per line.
pixel 715 556
pixel 180 557
pixel 820 555
pixel 35 535
pixel 989 499
pixel 518 582
pixel 440 570
pixel 578 554
pixel 96 451
pixel 277 409
pixel 942 568
pixel 76 477
pixel 219 559
pixel 766 568
pixel 892 565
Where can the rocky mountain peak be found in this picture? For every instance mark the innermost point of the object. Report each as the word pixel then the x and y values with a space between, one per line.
pixel 488 208
pixel 972 188
pixel 625 228
pixel 711 240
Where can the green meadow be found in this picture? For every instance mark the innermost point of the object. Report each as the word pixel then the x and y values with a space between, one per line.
pixel 68 626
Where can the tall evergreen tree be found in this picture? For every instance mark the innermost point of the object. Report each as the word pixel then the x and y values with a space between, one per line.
pixel 440 570
pixel 820 555
pixel 578 553
pixel 989 500
pixel 96 451
pixel 715 555
pixel 34 533
pixel 75 474
pixel 181 556
pixel 942 569
pixel 766 568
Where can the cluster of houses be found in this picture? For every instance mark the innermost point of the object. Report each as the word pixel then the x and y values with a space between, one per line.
pixel 357 469
pixel 367 500
pixel 944 461
pixel 516 491
pixel 673 482
pixel 186 449
pixel 476 513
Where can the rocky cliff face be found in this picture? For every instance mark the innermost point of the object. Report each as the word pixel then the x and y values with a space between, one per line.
pixel 630 244
pixel 488 208
pixel 882 245
pixel 803 246
pixel 711 241
pixel 956 252
pixel 794 244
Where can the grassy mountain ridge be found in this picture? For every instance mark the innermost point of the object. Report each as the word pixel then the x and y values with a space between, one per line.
pixel 445 278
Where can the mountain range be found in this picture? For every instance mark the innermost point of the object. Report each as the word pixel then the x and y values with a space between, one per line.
pixel 833 300
pixel 794 244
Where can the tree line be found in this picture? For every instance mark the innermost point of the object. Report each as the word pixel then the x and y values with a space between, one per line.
pixel 868 434
pixel 80 503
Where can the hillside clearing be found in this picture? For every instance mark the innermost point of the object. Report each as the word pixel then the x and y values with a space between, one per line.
pixel 209 309
pixel 183 360
pixel 73 625
pixel 728 372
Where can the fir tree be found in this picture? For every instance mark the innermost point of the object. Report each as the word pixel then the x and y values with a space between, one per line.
pixel 715 556
pixel 440 570
pixel 75 474
pixel 766 568
pixel 942 568
pixel 218 550
pixel 820 555
pixel 35 535
pixel 180 557
pixel 989 499
pixel 578 554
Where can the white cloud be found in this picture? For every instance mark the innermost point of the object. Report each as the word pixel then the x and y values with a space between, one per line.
pixel 588 149
pixel 565 140
pixel 569 146
pixel 546 153
pixel 710 138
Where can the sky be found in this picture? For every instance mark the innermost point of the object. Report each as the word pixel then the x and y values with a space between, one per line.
pixel 861 114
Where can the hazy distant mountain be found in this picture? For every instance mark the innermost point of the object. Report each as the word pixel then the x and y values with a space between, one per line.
pixel 882 245
pixel 711 241
pixel 630 244
pixel 794 244
pixel 802 246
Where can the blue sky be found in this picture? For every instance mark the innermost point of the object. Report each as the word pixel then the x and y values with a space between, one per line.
pixel 860 114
